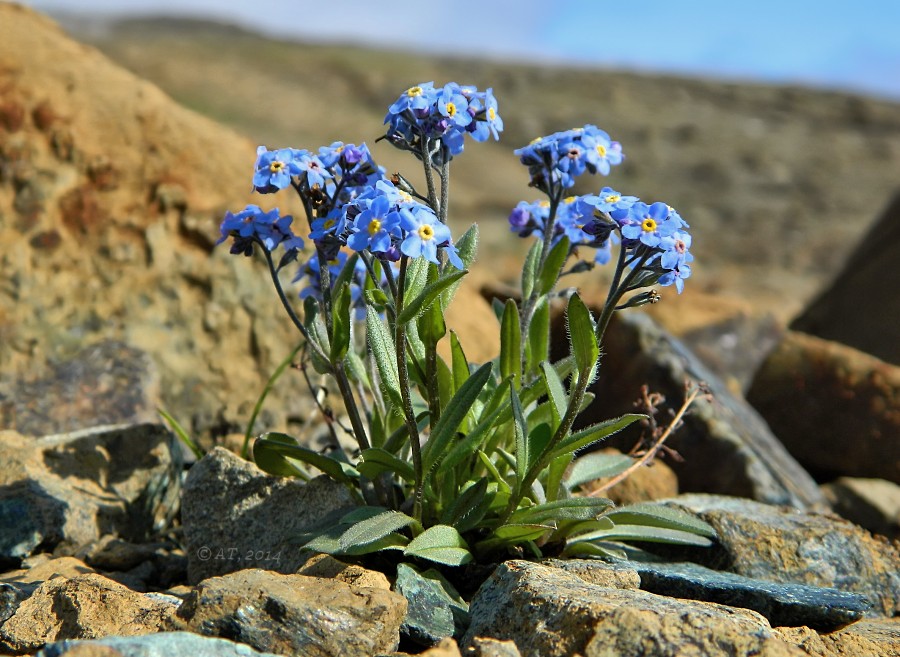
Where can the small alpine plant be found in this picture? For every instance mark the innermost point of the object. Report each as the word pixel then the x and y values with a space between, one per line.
pixel 456 461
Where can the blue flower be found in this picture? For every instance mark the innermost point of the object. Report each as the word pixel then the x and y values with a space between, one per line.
pixel 648 223
pixel 375 227
pixel 676 250
pixel 606 201
pixel 559 158
pixel 312 168
pixel 254 226
pixel 274 169
pixel 423 234
pixel 417 97
pixel 454 106
pixel 601 151
pixel 676 276
pixel 487 120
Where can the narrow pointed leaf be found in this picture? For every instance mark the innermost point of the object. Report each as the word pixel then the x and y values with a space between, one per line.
pixel 520 429
pixel 467 248
pixel 659 515
pixel 538 344
pixel 443 432
pixel 373 529
pixel 594 433
pixel 469 507
pixel 553 266
pixel 375 461
pixel 458 361
pixel 650 534
pixel 555 391
pixel 382 345
pixel 574 508
pixel 428 294
pixel 416 279
pixel 270 444
pixel 581 335
pixel 529 269
pixel 511 342
pixel 340 323
pixel 596 466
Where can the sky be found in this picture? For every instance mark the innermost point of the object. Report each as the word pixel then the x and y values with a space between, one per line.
pixel 836 44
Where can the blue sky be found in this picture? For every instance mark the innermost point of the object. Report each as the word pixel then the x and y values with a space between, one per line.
pixel 827 43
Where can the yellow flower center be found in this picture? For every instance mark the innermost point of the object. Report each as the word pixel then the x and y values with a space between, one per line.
pixel 451 109
pixel 374 226
pixel 491 113
pixel 570 199
pixel 601 150
pixel 276 166
pixel 613 198
pixel 405 196
pixel 412 92
pixel 329 223
pixel 426 232
pixel 648 225
pixel 543 204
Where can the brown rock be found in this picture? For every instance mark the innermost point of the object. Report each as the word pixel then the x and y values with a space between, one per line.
pixel 870 503
pixel 655 481
pixel 85 607
pixel 62 567
pixel 296 615
pixel 548 612
pixel 876 637
pixel 326 566
pixel 836 409
pixel 853 309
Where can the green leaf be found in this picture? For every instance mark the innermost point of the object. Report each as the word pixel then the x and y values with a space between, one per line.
pixel 346 274
pixel 579 548
pixel 555 473
pixel 181 433
pixel 373 529
pixel 573 508
pixel 441 544
pixel 466 249
pixel 529 269
pixel 502 486
pixel 581 335
pixel 553 266
pixel 272 445
pixel 341 322
pixel 511 342
pixel 382 345
pixel 458 361
pixel 328 542
pixel 315 326
pixel 520 429
pixel 469 507
pixel 538 345
pixel 659 515
pixel 443 432
pixel 416 279
pixel 512 534
pixel 555 391
pixel 649 534
pixel 374 461
pixel 474 439
pixel 431 325
pixel 538 439
pixel 594 433
pixel 596 466
pixel 428 294
pixel 274 462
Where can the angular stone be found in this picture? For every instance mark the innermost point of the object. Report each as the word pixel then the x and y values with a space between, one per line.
pixel 779 544
pixel 164 644
pixel 84 607
pixel 782 603
pixel 483 647
pixel 107 383
pixel 853 309
pixel 549 613
pixel 870 503
pixel 296 615
pixel 609 574
pixel 726 445
pixel 872 637
pixel 324 565
pixel 235 516
pixel 430 615
pixel 62 492
pixel 814 393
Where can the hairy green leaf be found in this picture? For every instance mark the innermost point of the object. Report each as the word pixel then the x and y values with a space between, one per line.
pixel 382 345
pixel 529 269
pixel 553 266
pixel 659 515
pixel 271 446
pixel 574 508
pixel 538 338
pixel 341 323
pixel 375 461
pixel 555 392
pixel 511 342
pixel 581 335
pixel 597 465
pixel 374 528
pixel 594 433
pixel 441 544
pixel 428 294
pixel 469 507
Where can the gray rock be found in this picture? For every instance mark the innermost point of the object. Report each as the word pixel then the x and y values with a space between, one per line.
pixel 780 544
pixel 120 382
pixel 62 492
pixel 430 615
pixel 726 445
pixel 549 612
pixel 164 644
pixel 782 603
pixel 296 615
pixel 235 516
pixel 84 607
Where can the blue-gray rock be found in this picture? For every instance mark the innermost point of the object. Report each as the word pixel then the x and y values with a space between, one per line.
pixel 236 516
pixel 783 603
pixel 727 447
pixel 433 613
pixel 781 544
pixel 164 644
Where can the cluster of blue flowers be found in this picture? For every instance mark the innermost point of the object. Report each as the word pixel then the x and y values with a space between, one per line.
pixel 437 120
pixel 652 237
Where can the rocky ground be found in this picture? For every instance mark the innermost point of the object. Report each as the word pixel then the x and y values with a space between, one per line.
pixel 113 301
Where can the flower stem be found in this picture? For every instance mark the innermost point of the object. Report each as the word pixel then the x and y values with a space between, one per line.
pixel 408 413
